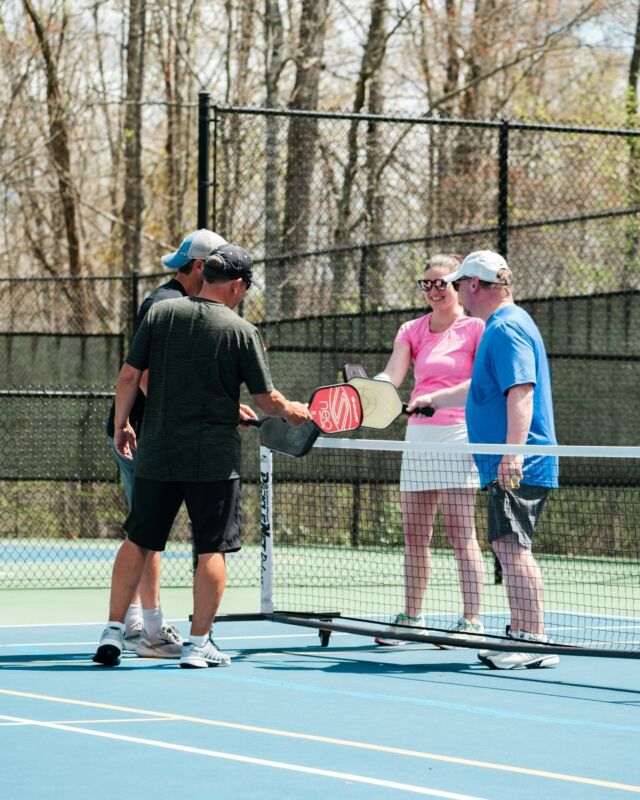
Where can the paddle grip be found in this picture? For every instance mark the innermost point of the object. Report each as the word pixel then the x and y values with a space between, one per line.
pixel 424 411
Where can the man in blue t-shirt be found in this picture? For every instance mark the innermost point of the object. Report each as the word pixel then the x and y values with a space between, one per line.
pixel 508 401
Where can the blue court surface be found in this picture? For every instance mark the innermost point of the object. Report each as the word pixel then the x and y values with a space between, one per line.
pixel 292 719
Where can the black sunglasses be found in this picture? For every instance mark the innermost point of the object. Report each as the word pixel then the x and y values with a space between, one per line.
pixel 427 285
pixel 456 284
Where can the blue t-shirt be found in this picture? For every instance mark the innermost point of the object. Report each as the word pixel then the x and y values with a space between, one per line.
pixel 511 353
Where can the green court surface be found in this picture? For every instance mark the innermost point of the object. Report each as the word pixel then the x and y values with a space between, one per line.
pixel 49 606
pixel 588 601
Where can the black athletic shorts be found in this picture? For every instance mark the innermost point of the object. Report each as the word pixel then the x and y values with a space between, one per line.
pixel 515 511
pixel 214 508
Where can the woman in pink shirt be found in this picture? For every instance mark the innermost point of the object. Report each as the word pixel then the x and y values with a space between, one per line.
pixel 442 346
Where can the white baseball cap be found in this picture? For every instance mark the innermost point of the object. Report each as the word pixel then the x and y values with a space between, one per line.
pixel 482 264
pixel 196 245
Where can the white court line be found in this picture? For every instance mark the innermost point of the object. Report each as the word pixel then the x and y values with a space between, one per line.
pixel 127 720
pixel 350 743
pixel 260 762
pixel 94 642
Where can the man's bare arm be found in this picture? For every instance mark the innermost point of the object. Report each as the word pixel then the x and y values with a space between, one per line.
pixel 124 437
pixel 275 404
pixel 519 416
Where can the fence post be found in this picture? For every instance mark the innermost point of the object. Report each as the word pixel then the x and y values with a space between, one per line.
pixel 204 103
pixel 216 121
pixel 503 189
pixel 362 279
pixel 135 280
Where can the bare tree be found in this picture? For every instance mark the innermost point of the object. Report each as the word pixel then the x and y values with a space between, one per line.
pixel 301 143
pixel 633 234
pixel 133 184
pixel 374 162
pixel 112 119
pixel 370 64
pixel 59 140
pixel 274 59
pixel 173 34
pixel 60 151
pixel 240 25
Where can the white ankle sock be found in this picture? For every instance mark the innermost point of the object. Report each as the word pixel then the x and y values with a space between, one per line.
pixel 133 616
pixel 152 620
pixel 198 640
pixel 113 624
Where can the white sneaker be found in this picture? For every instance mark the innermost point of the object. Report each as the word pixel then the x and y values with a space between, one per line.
pixel 509 660
pixel 460 632
pixel 482 654
pixel 399 625
pixel 208 655
pixel 110 648
pixel 166 643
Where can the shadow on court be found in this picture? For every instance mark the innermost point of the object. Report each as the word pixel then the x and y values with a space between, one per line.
pixel 340 663
pixel 60 662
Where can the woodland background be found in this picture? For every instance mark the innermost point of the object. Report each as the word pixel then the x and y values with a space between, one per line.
pixel 98 127
pixel 98 179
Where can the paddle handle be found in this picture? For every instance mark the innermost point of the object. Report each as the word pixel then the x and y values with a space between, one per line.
pixel 424 411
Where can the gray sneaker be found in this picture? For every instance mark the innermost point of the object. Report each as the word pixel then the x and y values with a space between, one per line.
pixel 110 648
pixel 208 655
pixel 132 635
pixel 166 643
pixel 461 631
pixel 401 622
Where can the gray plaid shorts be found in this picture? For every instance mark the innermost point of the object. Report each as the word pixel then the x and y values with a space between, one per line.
pixel 515 511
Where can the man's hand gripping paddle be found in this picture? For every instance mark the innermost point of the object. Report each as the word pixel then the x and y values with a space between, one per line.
pixel 334 409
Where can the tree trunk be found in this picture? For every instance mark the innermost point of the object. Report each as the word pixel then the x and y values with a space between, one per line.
pixel 631 266
pixel 372 58
pixel 59 148
pixel 238 46
pixel 274 40
pixel 301 147
pixel 375 282
pixel 174 22
pixel 133 195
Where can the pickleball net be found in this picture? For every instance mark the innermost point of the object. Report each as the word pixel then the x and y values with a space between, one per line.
pixel 333 545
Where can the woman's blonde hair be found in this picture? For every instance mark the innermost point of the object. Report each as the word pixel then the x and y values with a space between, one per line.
pixel 450 261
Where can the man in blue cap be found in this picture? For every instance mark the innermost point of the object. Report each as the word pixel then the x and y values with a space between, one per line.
pixel 147 634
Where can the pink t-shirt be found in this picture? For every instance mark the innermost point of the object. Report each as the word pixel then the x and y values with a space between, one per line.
pixel 441 360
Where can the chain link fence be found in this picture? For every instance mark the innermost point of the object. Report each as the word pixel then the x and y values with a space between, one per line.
pixel 341 213
pixel 345 221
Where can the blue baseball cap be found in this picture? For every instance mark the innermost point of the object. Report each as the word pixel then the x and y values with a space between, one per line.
pixel 196 245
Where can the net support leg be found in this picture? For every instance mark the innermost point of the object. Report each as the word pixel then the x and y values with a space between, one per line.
pixel 266 530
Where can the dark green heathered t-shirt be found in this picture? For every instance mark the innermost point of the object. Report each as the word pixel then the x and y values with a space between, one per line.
pixel 198 353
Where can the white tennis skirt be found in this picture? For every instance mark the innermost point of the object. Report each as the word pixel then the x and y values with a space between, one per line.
pixel 425 471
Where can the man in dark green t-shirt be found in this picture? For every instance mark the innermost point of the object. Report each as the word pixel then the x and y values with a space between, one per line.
pixel 147 633
pixel 198 353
